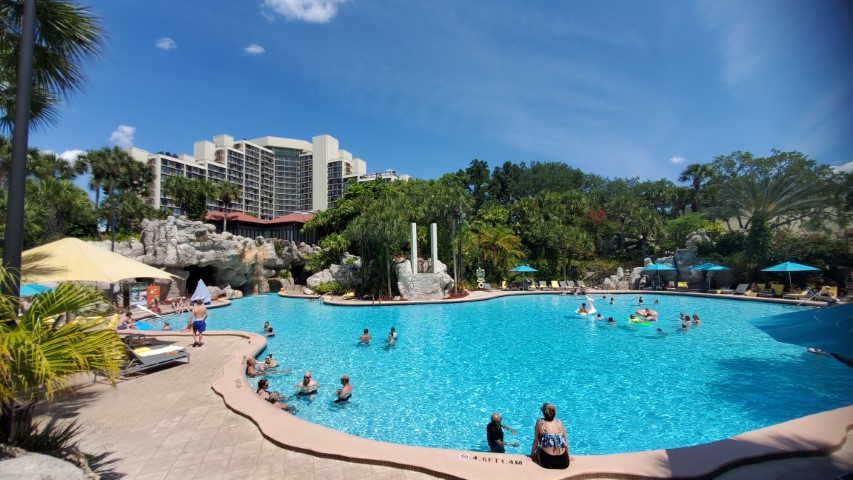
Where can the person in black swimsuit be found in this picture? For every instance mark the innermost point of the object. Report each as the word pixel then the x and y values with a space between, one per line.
pixel 495 434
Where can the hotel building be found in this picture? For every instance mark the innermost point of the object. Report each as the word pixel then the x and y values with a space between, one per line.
pixel 277 176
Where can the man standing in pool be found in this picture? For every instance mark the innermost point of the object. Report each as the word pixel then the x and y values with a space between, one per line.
pixel 495 434
pixel 365 339
pixel 345 391
pixel 199 318
pixel 307 386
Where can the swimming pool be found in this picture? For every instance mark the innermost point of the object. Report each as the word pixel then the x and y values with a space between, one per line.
pixel 617 388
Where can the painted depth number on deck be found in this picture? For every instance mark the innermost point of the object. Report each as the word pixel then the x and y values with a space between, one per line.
pixel 483 458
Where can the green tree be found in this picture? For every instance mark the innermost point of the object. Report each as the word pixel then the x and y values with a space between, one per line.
pixel 47 165
pixel 498 245
pixel 62 204
pixel 477 180
pixel 228 192
pixel 179 189
pixel 764 202
pixel 646 225
pixel 698 174
pixel 202 191
pixel 67 36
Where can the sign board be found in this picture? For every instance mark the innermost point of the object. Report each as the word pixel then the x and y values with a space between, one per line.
pixel 153 292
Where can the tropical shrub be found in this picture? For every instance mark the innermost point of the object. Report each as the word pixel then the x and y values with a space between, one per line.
pixel 39 354
pixel 334 288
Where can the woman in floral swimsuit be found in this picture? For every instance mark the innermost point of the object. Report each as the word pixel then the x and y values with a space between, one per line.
pixel 550 447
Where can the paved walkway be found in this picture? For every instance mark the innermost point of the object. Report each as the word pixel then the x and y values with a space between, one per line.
pixel 170 424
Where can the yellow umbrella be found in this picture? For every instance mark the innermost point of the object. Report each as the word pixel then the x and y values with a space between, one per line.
pixel 72 259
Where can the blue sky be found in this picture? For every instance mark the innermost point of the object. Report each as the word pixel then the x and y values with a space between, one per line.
pixel 617 88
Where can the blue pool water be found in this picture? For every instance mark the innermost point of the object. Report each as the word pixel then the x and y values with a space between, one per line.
pixel 617 388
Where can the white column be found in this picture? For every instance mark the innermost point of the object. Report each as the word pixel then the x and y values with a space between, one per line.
pixel 433 234
pixel 414 257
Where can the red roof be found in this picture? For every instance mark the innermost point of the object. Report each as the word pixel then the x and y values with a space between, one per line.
pixel 293 217
pixel 242 217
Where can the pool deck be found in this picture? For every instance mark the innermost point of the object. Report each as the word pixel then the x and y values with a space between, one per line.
pixel 480 295
pixel 172 424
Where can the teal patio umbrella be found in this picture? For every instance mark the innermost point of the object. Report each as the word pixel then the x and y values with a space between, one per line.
pixel 790 267
pixel 524 268
pixel 709 267
pixel 658 267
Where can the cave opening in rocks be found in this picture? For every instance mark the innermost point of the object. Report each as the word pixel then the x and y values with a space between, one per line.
pixel 208 274
pixel 299 274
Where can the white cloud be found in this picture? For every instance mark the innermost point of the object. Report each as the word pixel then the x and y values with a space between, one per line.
pixel 254 49
pixel 677 160
pixel 123 136
pixel 315 11
pixel 165 43
pixel 846 168
pixel 71 155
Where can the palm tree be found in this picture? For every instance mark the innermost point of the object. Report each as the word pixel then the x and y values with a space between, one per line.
pixel 179 189
pixel 67 36
pixel 228 192
pixel 43 165
pixel 646 225
pixel 498 244
pixel 62 203
pixel 698 174
pixel 38 356
pixel 762 203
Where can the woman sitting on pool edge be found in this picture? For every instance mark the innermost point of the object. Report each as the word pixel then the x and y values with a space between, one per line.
pixel 550 447
pixel 273 397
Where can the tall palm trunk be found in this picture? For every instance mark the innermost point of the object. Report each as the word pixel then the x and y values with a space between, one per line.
pixel 388 267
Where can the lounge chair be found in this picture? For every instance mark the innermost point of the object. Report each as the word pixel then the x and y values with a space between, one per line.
pixel 555 285
pixel 741 288
pixel 580 284
pixel 563 285
pixel 487 287
pixel 682 287
pixel 570 285
pixel 543 285
pixel 503 285
pixel 152 355
pixel 670 285
pixel 802 295
pixel 722 291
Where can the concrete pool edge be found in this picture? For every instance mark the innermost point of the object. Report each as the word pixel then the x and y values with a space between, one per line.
pixel 813 435
pixel 481 295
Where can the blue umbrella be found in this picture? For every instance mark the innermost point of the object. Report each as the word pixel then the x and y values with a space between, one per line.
pixel 30 289
pixel 790 267
pixel 709 267
pixel 524 268
pixel 703 266
pixel 658 267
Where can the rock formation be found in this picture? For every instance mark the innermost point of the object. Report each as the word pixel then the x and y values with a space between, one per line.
pixel 347 275
pixel 240 264
pixel 423 286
